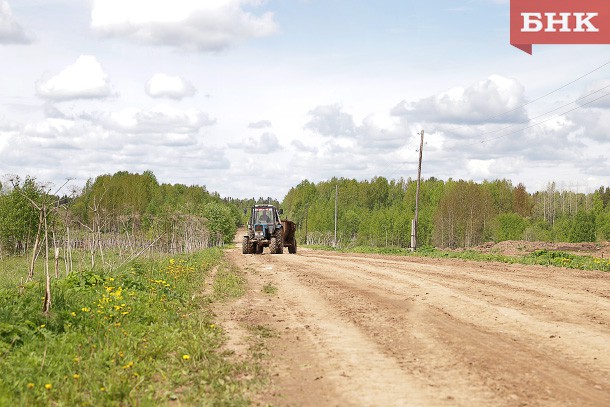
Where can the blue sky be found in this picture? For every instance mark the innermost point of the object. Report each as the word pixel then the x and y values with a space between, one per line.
pixel 250 97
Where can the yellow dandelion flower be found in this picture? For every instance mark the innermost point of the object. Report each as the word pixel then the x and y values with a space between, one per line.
pixel 102 389
pixel 73 313
pixel 128 365
pixel 186 357
pixel 48 386
pixel 30 385
pixel 76 376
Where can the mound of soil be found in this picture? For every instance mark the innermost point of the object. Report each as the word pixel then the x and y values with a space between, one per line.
pixel 522 247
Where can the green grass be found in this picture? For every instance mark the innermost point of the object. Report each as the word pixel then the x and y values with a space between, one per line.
pixel 270 289
pixel 140 335
pixel 538 257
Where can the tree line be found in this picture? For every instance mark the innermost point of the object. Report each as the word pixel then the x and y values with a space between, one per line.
pixel 129 211
pixel 122 211
pixel 452 214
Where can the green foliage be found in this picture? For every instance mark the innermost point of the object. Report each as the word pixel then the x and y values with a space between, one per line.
pixel 19 216
pixel 221 222
pixel 464 215
pixel 376 212
pixel 142 335
pixel 136 204
pixel 602 223
pixel 510 227
pixel 270 289
pixel 583 228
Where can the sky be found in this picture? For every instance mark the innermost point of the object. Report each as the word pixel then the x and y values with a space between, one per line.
pixel 251 97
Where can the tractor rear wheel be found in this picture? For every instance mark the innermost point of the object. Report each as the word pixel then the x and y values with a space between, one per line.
pixel 245 245
pixel 292 249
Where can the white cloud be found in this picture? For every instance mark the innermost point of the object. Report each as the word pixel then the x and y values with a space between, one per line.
pixel 161 119
pixel 85 79
pixel 210 25
pixel 596 95
pixel 264 143
pixel 173 87
pixel 300 147
pixel 59 148
pixel 11 32
pixel 331 121
pixel 479 168
pixel 494 100
pixel 263 124
pixel 374 134
pixel 595 123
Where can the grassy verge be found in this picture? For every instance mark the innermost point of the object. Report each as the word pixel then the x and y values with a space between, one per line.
pixel 538 257
pixel 141 335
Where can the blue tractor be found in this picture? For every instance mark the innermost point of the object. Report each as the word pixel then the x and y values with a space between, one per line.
pixel 266 229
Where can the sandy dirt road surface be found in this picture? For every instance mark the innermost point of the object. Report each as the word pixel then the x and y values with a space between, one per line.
pixel 372 330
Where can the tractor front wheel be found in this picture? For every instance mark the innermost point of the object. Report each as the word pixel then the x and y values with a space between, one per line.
pixel 275 246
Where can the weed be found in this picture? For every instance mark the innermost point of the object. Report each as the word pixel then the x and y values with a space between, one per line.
pixel 270 289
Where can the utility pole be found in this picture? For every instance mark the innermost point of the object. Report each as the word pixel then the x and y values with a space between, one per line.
pixel 306 216
pixel 414 223
pixel 336 199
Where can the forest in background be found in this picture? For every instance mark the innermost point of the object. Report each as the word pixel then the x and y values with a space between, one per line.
pixel 130 212
pixel 452 213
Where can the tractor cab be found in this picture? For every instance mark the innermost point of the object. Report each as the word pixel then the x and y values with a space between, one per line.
pixel 264 219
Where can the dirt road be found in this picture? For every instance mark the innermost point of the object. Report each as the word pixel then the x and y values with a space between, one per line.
pixel 368 330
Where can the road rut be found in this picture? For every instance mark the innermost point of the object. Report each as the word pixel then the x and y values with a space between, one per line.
pixel 373 330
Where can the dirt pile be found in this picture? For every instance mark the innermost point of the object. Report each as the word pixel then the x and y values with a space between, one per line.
pixel 522 247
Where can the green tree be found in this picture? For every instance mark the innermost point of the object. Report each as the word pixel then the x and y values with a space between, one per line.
pixel 521 201
pixel 220 222
pixel 19 218
pixel 583 227
pixel 511 226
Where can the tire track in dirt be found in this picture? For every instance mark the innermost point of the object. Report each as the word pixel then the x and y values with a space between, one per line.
pixel 382 330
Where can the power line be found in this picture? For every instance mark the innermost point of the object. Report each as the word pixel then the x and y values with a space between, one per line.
pixel 546 120
pixel 546 113
pixel 551 92
pixel 529 119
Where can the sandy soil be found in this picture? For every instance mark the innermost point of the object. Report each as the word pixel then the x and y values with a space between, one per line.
pixel 371 330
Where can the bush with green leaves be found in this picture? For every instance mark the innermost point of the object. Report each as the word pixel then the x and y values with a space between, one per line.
pixel 19 217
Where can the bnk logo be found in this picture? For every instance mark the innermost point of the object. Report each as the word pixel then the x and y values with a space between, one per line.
pixel 559 22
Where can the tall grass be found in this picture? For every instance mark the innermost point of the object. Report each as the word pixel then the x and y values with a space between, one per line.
pixel 140 335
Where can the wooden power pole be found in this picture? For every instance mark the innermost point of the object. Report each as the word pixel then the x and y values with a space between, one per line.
pixel 414 223
pixel 336 199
